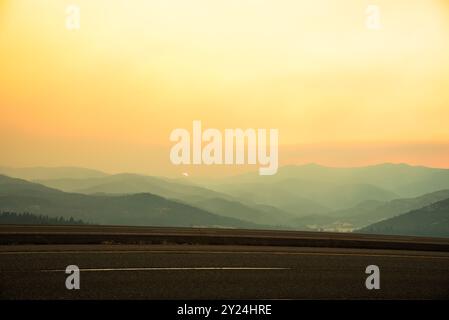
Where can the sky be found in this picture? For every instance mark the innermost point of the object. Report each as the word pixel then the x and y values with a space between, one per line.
pixel 107 95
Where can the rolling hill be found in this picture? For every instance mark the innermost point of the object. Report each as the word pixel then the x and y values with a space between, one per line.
pixel 257 214
pixel 209 200
pixel 430 221
pixel 401 179
pixel 127 183
pixel 302 197
pixel 272 195
pixel 367 213
pixel 142 209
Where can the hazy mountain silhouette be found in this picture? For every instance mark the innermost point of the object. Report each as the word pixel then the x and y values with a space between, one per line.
pixel 127 183
pixel 303 197
pixel 138 209
pixel 431 220
pixel 401 179
pixel 35 173
pixel 373 211
pixel 274 195
pixel 306 197
pixel 212 201
pixel 258 214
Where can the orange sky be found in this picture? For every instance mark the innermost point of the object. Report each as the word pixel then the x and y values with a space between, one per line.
pixel 108 95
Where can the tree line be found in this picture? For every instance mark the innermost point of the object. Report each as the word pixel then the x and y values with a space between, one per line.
pixel 30 218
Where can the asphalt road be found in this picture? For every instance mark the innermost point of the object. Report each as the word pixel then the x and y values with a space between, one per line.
pixel 219 272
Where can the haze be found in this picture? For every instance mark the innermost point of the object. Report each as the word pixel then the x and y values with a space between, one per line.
pixel 108 95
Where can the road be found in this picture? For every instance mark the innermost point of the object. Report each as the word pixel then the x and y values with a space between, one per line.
pixel 219 272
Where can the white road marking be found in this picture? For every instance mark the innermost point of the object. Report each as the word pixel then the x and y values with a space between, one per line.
pixel 170 269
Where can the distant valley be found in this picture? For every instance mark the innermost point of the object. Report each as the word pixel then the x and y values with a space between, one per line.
pixel 307 197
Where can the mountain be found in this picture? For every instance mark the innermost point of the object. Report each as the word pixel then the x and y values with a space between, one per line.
pixel 307 196
pixel 182 191
pixel 127 183
pixel 257 214
pixel 272 195
pixel 373 211
pixel 212 201
pixel 15 186
pixel 431 221
pixel 36 173
pixel 142 209
pixel 302 197
pixel 401 179
pixel 334 195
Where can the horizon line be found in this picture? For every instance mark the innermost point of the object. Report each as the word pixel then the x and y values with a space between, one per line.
pixel 316 164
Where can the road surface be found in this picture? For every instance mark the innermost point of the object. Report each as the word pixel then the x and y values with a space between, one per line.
pixel 219 272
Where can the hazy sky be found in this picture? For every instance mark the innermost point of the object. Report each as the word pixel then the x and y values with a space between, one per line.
pixel 108 95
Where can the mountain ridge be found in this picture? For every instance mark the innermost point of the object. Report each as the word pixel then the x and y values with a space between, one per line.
pixel 18 195
pixel 431 220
